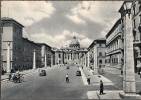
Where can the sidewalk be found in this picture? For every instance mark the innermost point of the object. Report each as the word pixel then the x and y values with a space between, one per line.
pixel 109 95
pixel 116 77
pixel 95 79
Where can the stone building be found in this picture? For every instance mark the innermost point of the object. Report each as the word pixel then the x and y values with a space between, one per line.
pixel 114 46
pixel 97 51
pixel 28 49
pixel 12 38
pixel 90 56
pixel 136 31
pixel 46 55
pixel 17 52
pixel 70 54
pixel 136 17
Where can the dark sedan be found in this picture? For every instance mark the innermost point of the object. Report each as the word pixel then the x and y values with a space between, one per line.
pixel 78 73
pixel 42 73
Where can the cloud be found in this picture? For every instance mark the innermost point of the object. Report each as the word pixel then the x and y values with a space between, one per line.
pixel 53 22
pixel 76 19
pixel 61 40
pixel 97 11
pixel 85 42
pixel 27 12
pixel 100 12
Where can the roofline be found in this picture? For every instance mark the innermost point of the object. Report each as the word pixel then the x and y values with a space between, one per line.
pixel 97 40
pixel 30 41
pixel 11 19
pixel 114 26
pixel 44 44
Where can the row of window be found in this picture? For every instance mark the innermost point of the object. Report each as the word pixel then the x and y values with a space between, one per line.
pixel 113 61
pixel 115 45
pixel 100 54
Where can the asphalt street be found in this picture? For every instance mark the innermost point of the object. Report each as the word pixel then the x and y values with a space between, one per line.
pixel 52 86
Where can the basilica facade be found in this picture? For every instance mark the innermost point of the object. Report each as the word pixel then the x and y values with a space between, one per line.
pixel 70 54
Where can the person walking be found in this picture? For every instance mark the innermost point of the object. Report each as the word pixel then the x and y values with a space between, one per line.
pixel 140 73
pixel 88 80
pixel 10 75
pixel 67 78
pixel 101 87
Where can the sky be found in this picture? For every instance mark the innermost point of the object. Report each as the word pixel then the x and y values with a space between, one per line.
pixel 56 22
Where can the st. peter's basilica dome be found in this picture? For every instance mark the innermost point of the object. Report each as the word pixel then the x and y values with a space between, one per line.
pixel 74 43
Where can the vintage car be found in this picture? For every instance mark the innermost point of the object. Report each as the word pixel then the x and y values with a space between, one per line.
pixel 42 72
pixel 78 73
pixel 67 67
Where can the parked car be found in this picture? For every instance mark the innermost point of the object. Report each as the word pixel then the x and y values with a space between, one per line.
pixel 78 73
pixel 42 73
pixel 68 67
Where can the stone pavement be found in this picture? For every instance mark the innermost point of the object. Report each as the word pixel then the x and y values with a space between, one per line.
pixel 95 79
pixel 115 76
pixel 107 94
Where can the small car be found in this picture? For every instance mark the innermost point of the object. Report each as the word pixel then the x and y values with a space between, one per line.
pixel 42 73
pixel 78 73
pixel 68 67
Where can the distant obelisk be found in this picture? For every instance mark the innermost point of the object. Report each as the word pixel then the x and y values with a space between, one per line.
pixel 34 59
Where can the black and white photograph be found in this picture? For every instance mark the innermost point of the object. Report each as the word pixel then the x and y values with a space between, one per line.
pixel 70 50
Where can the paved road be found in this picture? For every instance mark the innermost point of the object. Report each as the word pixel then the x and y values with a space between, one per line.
pixel 52 86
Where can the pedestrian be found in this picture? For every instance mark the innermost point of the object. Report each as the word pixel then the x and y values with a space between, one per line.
pixel 121 72
pixel 10 76
pixel 101 87
pixel 67 78
pixel 88 79
pixel 140 73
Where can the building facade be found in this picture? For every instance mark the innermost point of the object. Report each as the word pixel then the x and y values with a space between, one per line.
pixel 136 17
pixel 46 55
pixel 70 54
pixel 28 49
pixel 136 31
pixel 97 53
pixel 114 46
pixel 17 52
pixel 12 39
